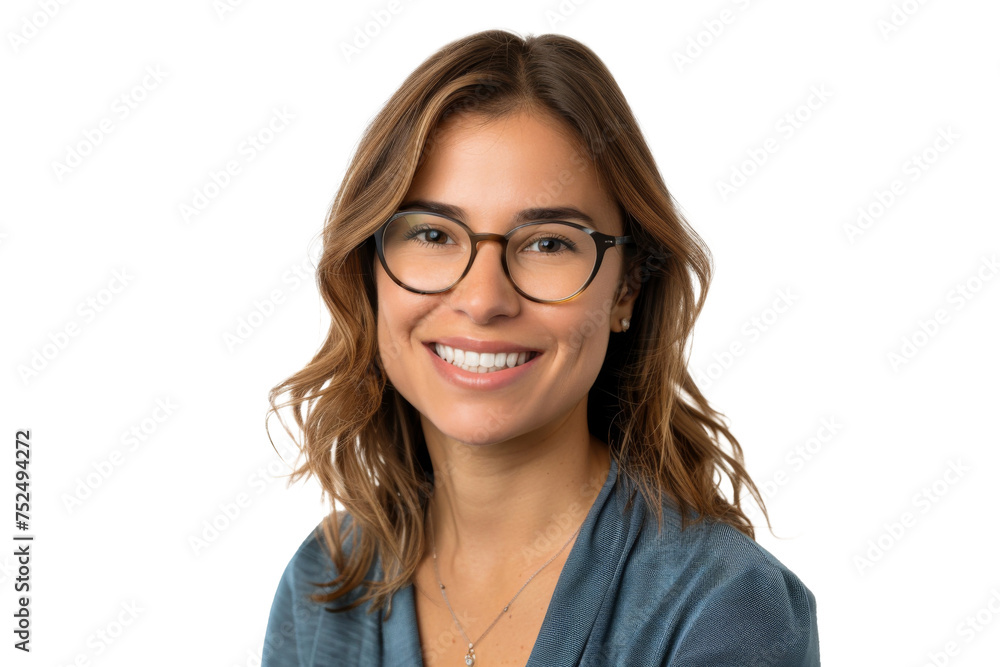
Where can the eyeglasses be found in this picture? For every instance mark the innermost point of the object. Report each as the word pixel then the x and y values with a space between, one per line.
pixel 547 262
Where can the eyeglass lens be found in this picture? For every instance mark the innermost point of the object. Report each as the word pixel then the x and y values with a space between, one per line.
pixel 547 260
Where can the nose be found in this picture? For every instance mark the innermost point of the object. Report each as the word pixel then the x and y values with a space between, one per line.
pixel 485 291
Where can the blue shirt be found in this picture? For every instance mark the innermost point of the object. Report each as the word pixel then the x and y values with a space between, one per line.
pixel 707 596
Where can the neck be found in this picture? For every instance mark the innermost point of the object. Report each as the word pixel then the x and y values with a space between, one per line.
pixel 516 501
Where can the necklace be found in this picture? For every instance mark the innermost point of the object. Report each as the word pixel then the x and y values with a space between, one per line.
pixel 470 655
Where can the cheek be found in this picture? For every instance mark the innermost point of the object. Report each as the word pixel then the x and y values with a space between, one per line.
pixel 387 320
pixel 591 344
pixel 589 331
pixel 384 340
pixel 399 314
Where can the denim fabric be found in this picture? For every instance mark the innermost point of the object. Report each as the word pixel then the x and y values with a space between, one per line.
pixel 707 596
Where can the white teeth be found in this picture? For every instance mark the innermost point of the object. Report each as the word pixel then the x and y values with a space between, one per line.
pixel 480 362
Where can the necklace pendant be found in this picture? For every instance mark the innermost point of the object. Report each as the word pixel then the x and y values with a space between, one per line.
pixel 470 657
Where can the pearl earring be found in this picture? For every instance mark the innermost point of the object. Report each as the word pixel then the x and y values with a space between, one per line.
pixel 624 324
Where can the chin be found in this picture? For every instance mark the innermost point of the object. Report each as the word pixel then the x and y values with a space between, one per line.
pixel 472 426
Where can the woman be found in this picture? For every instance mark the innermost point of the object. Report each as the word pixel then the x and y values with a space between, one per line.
pixel 529 476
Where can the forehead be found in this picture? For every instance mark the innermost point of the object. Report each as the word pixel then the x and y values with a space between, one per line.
pixel 531 124
pixel 494 168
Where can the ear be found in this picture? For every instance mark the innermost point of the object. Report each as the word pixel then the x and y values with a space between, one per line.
pixel 628 292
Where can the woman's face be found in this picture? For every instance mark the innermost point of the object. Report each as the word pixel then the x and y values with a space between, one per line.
pixel 492 172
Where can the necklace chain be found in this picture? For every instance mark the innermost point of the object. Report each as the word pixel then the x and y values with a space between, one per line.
pixel 470 655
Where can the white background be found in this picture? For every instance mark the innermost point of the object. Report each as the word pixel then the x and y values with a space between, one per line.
pixel 856 299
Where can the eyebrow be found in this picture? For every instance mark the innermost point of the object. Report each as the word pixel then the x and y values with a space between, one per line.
pixel 524 215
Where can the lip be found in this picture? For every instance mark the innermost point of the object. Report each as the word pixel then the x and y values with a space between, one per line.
pixel 463 378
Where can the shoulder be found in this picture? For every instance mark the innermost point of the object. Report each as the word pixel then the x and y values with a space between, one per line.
pixel 732 602
pixel 294 619
pixel 311 560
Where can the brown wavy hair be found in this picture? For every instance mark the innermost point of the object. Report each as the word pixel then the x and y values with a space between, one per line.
pixel 363 441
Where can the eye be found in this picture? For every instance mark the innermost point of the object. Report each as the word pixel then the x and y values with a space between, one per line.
pixel 551 244
pixel 432 236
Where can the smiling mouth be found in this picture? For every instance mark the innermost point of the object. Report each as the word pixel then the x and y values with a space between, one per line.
pixel 482 362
